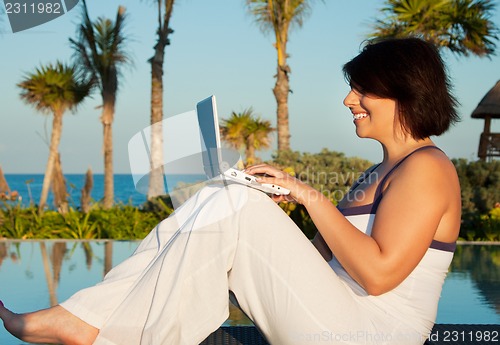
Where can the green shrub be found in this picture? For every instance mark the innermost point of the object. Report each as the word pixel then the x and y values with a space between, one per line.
pixel 122 222
pixel 125 222
pixel 480 190
pixel 330 172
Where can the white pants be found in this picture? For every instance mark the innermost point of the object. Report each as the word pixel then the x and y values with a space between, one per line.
pixel 174 289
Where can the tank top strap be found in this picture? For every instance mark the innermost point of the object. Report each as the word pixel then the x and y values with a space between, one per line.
pixel 363 177
pixel 378 191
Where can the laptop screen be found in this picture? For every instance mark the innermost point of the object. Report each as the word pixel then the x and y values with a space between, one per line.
pixel 210 136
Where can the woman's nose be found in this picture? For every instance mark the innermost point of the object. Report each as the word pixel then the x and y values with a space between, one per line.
pixel 351 99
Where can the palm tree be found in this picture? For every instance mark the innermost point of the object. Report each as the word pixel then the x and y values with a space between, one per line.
pixel 244 131
pixel 165 8
pixel 53 89
pixel 279 16
pixel 258 139
pixel 100 53
pixel 462 26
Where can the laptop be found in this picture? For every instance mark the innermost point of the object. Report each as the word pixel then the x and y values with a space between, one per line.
pixel 213 161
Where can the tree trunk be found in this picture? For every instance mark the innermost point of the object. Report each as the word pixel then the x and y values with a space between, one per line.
pixel 59 187
pixel 281 91
pixel 250 151
pixel 156 185
pixel 55 138
pixel 156 181
pixel 107 123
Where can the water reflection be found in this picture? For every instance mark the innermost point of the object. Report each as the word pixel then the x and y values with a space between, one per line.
pixel 53 276
pixel 38 274
pixel 482 265
pixel 22 263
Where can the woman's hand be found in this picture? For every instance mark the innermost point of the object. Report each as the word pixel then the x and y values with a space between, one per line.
pixel 269 174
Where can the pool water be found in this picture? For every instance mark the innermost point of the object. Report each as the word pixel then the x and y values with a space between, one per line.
pixel 37 274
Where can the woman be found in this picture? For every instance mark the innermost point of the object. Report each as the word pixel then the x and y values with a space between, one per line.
pixel 391 244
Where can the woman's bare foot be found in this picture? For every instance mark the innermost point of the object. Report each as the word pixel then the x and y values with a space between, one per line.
pixel 48 326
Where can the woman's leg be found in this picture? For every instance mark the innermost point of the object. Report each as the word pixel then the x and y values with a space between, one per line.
pixel 174 289
pixel 286 287
pixel 53 326
pixel 79 319
pixel 149 282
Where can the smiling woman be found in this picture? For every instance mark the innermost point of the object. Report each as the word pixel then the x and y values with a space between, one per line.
pixel 425 106
pixel 387 250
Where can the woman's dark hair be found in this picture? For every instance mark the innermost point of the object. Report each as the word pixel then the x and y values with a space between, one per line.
pixel 410 71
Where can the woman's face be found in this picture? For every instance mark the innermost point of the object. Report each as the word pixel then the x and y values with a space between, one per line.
pixel 374 117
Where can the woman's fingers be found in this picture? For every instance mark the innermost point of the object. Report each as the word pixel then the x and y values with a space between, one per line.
pixel 264 169
pixel 271 175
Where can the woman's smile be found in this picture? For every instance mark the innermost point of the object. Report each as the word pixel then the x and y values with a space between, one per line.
pixel 359 116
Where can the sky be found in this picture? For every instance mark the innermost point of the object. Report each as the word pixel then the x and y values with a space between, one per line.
pixel 216 48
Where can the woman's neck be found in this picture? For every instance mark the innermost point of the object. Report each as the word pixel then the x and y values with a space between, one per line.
pixel 398 149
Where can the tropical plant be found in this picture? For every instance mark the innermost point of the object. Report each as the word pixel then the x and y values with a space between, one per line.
pixel 54 88
pixel 245 131
pixel 165 8
pixel 119 222
pixel 99 51
pixel 462 26
pixel 278 16
pixel 79 226
pixel 125 222
pixel 480 189
pixel 330 172
pixel 479 185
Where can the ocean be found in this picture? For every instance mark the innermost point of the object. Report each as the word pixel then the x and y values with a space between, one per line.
pixel 29 187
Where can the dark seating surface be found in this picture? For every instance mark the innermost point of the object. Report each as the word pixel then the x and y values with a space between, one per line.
pixel 449 334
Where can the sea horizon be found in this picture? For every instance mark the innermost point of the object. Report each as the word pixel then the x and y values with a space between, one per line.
pixel 29 186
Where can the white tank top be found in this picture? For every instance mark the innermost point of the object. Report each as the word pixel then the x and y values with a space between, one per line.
pixel 415 300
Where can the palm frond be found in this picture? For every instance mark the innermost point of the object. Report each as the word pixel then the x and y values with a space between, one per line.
pixel 244 129
pixel 462 26
pixel 277 14
pixel 100 49
pixel 54 87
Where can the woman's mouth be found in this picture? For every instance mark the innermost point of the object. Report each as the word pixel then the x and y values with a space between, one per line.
pixel 359 116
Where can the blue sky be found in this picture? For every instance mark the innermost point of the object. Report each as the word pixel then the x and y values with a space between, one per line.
pixel 216 49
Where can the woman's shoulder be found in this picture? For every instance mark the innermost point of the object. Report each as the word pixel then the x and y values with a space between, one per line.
pixel 427 160
pixel 431 165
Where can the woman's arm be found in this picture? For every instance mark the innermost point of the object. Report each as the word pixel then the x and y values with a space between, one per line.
pixel 320 244
pixel 417 196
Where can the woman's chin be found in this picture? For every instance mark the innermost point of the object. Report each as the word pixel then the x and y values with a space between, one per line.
pixel 361 134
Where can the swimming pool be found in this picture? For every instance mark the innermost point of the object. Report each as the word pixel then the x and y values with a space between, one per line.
pixel 36 274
